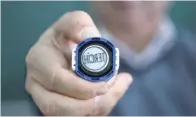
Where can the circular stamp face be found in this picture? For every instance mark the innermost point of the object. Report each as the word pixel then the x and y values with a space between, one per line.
pixel 95 58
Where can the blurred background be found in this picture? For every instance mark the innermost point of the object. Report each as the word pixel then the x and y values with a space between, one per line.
pixel 23 22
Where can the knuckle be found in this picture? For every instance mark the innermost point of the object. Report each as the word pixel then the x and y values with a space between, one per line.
pixel 27 85
pixel 75 20
pixel 80 14
pixel 30 55
pixel 87 92
pixel 28 81
pixel 86 108
pixel 81 18
pixel 49 108
pixel 108 106
pixel 90 91
pixel 117 94
pixel 75 16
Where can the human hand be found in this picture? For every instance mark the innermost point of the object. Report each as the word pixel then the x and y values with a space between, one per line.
pixel 52 84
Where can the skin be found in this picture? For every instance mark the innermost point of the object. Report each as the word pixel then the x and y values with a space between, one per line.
pixel 134 22
pixel 55 88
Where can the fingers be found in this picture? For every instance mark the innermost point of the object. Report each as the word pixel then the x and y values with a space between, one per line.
pixel 71 28
pixel 106 102
pixel 76 26
pixel 47 63
pixel 53 104
pixel 120 86
pixel 42 62
pixel 111 81
pixel 67 83
pixel 46 70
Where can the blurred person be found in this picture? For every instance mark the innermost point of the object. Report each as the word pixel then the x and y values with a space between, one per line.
pixel 157 73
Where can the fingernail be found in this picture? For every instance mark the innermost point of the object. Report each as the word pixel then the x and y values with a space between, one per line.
pixel 102 89
pixel 88 32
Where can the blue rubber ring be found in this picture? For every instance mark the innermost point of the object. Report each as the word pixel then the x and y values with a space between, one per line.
pixel 105 77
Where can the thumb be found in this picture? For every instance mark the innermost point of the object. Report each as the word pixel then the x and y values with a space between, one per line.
pixel 122 83
pixel 105 103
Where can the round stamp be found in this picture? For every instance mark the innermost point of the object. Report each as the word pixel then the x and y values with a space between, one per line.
pixel 95 58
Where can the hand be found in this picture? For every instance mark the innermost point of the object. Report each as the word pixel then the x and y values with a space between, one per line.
pixel 55 89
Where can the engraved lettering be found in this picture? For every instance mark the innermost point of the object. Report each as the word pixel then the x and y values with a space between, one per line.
pixel 94 58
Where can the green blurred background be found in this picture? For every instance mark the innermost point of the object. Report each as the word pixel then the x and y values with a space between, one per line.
pixel 23 22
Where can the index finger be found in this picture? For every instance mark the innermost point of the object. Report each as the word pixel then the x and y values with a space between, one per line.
pixel 76 26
